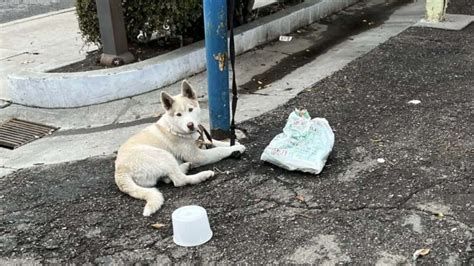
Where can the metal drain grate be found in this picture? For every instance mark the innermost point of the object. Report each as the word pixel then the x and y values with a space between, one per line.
pixel 15 132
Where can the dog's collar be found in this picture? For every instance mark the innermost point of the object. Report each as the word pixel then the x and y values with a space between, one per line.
pixel 181 135
pixel 174 133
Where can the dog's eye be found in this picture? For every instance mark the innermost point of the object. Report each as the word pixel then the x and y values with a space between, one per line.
pixel 178 114
pixel 190 109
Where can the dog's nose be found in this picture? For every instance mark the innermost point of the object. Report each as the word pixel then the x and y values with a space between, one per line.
pixel 190 125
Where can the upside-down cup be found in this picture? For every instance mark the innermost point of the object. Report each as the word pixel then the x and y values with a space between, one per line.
pixel 190 226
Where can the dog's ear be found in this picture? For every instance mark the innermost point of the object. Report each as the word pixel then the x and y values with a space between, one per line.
pixel 187 90
pixel 166 100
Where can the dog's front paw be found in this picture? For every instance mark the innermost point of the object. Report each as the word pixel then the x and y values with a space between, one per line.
pixel 206 174
pixel 209 173
pixel 239 147
pixel 237 150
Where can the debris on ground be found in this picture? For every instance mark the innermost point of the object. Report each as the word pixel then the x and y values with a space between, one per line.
pixel 285 38
pixel 217 170
pixel 158 225
pixel 420 253
pixel 415 102
pixel 300 198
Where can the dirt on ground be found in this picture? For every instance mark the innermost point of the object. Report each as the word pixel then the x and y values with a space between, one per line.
pixel 140 53
pixel 356 211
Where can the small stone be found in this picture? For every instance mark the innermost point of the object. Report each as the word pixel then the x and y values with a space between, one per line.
pixel 380 160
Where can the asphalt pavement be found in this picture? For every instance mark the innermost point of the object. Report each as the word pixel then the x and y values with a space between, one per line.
pixel 357 211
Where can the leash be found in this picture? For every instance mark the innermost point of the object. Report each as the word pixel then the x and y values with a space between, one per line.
pixel 201 142
pixel 230 13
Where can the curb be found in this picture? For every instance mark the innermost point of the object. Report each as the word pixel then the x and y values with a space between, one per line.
pixel 53 13
pixel 452 22
pixel 62 90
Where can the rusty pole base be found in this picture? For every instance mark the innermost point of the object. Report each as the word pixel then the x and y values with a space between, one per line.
pixel 220 134
pixel 116 60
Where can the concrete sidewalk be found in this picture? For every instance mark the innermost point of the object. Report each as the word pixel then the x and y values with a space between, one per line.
pixel 100 129
pixel 357 211
pixel 40 43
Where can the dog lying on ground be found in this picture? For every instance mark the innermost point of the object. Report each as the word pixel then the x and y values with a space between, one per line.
pixel 166 151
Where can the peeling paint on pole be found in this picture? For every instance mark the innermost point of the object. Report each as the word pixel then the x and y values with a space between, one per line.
pixel 436 10
pixel 221 58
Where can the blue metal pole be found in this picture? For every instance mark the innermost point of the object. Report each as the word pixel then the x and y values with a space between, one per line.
pixel 215 24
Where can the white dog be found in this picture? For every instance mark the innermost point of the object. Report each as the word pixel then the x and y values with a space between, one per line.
pixel 166 150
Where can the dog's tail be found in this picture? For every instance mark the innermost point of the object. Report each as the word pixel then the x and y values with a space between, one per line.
pixel 154 198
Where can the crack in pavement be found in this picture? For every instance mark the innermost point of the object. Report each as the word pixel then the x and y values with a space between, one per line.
pixel 410 196
pixel 131 102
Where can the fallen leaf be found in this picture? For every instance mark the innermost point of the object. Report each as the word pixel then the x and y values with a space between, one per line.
pixel 300 198
pixel 424 251
pixel 158 225
pixel 421 252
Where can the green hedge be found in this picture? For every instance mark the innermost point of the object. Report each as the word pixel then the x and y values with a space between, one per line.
pixel 176 16
pixel 173 17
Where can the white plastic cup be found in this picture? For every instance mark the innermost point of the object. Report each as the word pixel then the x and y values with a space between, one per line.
pixel 190 226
